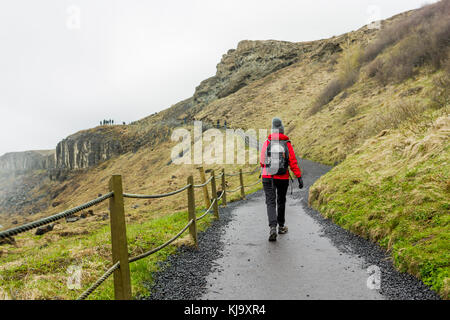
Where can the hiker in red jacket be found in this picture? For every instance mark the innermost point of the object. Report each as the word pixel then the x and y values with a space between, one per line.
pixel 277 155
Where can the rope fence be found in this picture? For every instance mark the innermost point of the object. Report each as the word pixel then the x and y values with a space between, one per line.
pixel 207 211
pixel 32 225
pixel 100 280
pixel 219 176
pixel 146 254
pixel 155 196
pixel 253 184
pixel 116 266
pixel 253 171
pixel 234 190
pixel 121 260
pixel 203 184
pixel 232 174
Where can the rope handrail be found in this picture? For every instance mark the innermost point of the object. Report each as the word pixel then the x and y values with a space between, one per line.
pixel 99 281
pixel 207 211
pixel 253 184
pixel 246 172
pixel 155 196
pixel 253 171
pixel 204 183
pixel 116 266
pixel 231 174
pixel 110 271
pixel 52 218
pixel 234 190
pixel 146 254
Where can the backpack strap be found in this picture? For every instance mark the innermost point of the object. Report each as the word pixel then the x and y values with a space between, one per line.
pixel 267 153
pixel 287 153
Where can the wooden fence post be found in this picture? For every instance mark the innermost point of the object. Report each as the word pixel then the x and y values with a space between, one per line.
pixel 122 283
pixel 214 193
pixel 205 188
pixel 224 196
pixel 241 178
pixel 191 211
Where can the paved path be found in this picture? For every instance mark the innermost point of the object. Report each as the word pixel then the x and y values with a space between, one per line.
pixel 301 264
pixel 316 259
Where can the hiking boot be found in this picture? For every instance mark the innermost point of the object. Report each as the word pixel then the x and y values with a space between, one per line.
pixel 282 229
pixel 273 234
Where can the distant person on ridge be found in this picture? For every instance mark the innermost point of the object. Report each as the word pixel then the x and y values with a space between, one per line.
pixel 277 155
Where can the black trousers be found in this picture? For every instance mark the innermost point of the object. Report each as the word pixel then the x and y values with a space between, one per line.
pixel 275 190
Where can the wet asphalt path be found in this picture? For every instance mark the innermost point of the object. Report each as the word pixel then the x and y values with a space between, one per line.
pixel 316 259
pixel 302 264
pixel 299 265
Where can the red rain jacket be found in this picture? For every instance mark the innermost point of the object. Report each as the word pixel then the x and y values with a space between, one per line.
pixel 292 158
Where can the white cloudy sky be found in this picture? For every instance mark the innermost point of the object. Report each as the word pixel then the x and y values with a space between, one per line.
pixel 130 58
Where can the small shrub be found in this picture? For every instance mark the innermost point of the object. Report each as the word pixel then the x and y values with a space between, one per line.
pixel 407 112
pixel 411 53
pixel 374 67
pixel 440 96
pixel 439 43
pixel 333 62
pixel 350 111
pixel 430 15
pixel 334 59
pixel 349 64
pixel 421 38
pixel 377 70
pixel 330 91
pixel 351 137
pixel 348 72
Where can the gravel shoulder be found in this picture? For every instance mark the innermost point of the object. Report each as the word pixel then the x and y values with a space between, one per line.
pixel 316 259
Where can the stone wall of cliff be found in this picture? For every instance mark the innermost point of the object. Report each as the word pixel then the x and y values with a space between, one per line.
pixel 250 61
pixel 27 160
pixel 87 148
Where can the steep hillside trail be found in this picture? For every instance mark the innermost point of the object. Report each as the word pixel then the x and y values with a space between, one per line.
pixel 316 259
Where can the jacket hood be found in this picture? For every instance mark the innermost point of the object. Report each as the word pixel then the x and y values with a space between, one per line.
pixel 278 136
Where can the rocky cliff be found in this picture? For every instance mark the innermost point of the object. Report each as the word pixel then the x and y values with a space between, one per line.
pixel 250 61
pixel 20 173
pixel 87 148
pixel 27 160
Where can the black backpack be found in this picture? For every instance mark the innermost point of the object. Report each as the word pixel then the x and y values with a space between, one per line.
pixel 277 157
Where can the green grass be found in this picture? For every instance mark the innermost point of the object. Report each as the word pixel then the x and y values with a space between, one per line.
pixel 36 268
pixel 397 198
pixel 42 272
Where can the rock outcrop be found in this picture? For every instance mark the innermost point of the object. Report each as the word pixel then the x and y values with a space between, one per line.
pixel 87 148
pixel 252 60
pixel 27 160
pixel 17 192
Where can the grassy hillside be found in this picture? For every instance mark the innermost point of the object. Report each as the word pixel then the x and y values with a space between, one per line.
pixel 395 190
pixel 327 123
pixel 379 111
pixel 35 267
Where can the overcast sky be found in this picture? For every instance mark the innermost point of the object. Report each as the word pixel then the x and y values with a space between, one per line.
pixel 66 65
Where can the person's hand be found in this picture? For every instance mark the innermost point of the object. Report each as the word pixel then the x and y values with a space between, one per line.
pixel 300 183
